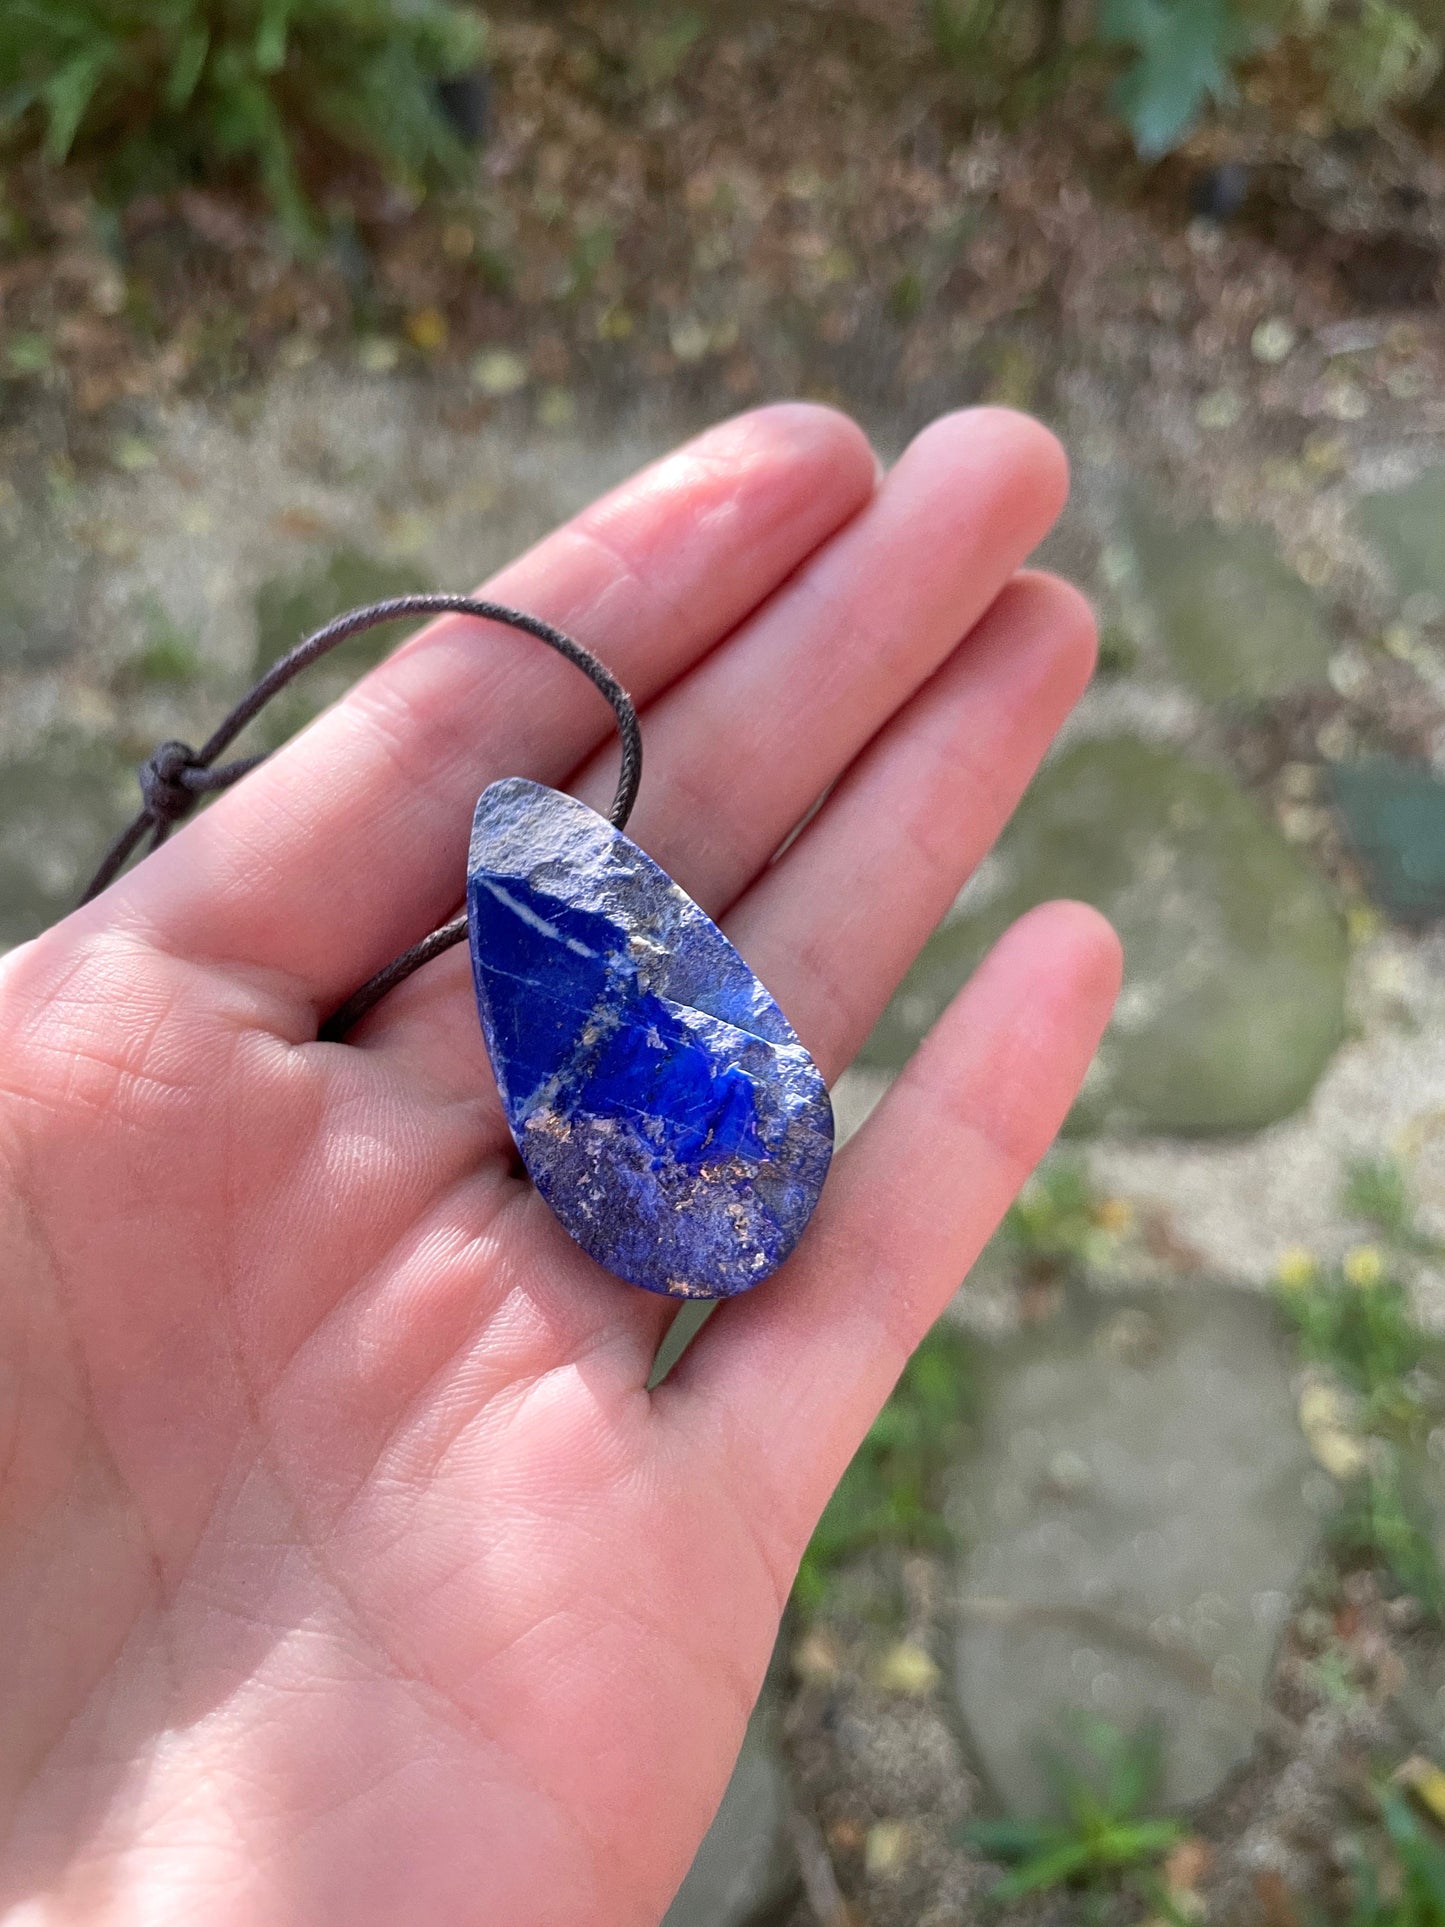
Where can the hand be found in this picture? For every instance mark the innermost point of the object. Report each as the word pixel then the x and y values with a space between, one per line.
pixel 348 1571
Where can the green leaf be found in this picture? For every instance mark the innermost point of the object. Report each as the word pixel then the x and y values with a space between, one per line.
pixel 456 39
pixel 187 67
pixel 1087 1812
pixel 67 95
pixel 248 121
pixel 1183 50
pixel 271 36
pixel 1127 1845
pixel 1421 1858
pixel 1053 1869
pixel 174 89
pixel 30 354
pixel 1100 1837
pixel 1381 56
pixel 1133 1769
pixel 16 102
pixel 1007 1839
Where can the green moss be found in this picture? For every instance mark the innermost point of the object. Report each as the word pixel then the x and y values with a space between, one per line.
pixel 1235 950
pixel 289 608
pixel 1235 621
pixel 168 656
pixel 1407 526
pixel 61 802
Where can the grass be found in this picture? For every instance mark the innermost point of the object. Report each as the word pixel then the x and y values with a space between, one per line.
pixel 1355 1323
pixel 1106 1836
pixel 156 93
pixel 168 656
pixel 1377 1192
pixel 1058 1225
pixel 891 1494
pixel 1407 1887
pixel 1174 60
pixel 1355 1326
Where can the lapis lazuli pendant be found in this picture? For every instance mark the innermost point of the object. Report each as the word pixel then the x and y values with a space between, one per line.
pixel 660 1099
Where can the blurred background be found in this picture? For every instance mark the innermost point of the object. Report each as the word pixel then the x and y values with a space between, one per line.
pixel 1131 1608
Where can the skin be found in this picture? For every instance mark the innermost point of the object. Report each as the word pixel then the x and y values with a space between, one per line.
pixel 348 1570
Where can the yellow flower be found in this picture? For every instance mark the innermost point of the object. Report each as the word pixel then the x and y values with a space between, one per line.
pixel 427 330
pixel 1297 1268
pixel 1114 1215
pixel 1426 1782
pixel 1364 1266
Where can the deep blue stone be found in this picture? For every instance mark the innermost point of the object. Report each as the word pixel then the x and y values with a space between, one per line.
pixel 660 1099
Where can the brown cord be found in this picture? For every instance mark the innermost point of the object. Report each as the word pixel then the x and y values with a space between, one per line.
pixel 175 777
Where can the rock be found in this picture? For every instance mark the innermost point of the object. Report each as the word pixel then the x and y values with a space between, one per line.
pixel 1232 618
pixel 1135 1521
pixel 61 803
pixel 1407 526
pixel 661 1101
pixel 1233 1000
pixel 1394 815
pixel 743 1871
pixel 1243 1205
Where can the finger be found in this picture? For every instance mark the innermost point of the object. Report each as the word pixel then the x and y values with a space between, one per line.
pixel 351 842
pixel 832 927
pixel 737 753
pixel 786 1380
pixel 834 924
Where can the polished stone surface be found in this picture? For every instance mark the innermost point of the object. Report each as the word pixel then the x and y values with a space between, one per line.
pixel 660 1100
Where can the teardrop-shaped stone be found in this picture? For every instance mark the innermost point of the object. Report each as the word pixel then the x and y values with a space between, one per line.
pixel 660 1099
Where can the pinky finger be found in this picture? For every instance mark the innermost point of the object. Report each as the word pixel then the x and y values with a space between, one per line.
pixel 786 1381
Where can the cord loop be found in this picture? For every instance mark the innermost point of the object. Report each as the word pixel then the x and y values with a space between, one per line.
pixel 174 777
pixel 167 797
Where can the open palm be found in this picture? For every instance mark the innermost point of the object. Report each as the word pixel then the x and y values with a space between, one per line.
pixel 348 1570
